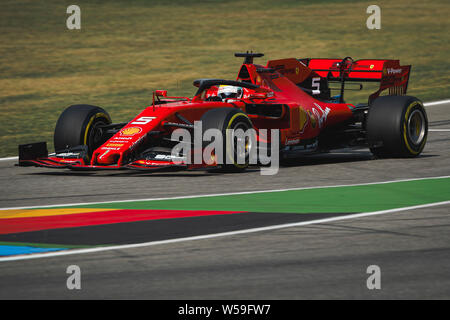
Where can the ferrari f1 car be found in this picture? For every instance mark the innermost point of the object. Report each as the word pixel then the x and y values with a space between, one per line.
pixel 291 95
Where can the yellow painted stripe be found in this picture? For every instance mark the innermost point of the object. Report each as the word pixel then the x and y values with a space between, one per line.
pixel 27 213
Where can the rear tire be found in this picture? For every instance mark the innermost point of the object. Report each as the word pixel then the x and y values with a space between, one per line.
pixel 397 126
pixel 234 119
pixel 79 125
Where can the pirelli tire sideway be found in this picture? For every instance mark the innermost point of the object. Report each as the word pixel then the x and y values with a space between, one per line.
pixel 397 126
pixel 79 125
pixel 227 120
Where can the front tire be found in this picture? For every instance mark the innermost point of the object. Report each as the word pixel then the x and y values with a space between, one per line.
pixel 397 126
pixel 80 125
pixel 228 120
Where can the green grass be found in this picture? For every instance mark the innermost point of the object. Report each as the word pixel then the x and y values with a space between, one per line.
pixel 127 49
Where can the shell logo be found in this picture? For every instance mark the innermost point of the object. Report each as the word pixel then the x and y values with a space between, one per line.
pixel 131 131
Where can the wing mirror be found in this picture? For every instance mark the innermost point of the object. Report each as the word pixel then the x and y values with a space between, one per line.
pixel 261 93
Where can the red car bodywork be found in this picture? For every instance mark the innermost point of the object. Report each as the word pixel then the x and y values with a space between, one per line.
pixel 284 99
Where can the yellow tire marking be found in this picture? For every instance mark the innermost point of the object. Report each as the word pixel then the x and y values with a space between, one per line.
pixel 228 141
pixel 405 138
pixel 97 115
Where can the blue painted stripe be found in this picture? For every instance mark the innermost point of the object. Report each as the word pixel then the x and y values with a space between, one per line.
pixel 14 250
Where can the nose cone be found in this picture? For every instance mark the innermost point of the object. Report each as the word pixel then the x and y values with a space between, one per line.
pixel 107 158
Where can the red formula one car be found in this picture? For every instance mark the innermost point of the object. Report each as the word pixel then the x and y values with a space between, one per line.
pixel 291 96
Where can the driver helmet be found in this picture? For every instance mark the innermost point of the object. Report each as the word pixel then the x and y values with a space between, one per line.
pixel 229 92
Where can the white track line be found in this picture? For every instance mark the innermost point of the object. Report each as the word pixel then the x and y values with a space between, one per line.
pixel 222 234
pixel 434 103
pixel 223 194
pixel 9 158
pixel 439 130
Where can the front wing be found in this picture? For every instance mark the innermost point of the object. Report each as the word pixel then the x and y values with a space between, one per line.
pixel 36 154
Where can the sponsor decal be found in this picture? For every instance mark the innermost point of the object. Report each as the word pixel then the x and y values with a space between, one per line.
pixel 168 157
pixel 322 115
pixel 290 142
pixel 151 163
pixel 130 131
pixel 366 66
pixel 163 157
pixel 393 71
pixel 110 148
pixel 68 154
pixel 117 139
pixel 114 144
pixel 297 70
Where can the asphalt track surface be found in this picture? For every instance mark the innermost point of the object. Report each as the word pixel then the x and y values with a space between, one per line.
pixel 318 261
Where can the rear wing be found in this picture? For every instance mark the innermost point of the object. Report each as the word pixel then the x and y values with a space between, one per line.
pixel 389 73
